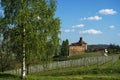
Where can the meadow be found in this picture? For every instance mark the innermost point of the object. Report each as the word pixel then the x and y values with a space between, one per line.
pixel 106 71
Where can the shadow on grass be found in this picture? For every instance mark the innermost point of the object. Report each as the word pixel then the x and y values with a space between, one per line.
pixel 6 75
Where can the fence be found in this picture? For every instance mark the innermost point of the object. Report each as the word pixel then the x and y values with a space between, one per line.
pixel 70 63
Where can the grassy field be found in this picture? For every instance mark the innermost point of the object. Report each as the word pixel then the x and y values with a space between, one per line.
pixel 108 71
pixel 82 55
pixel 70 77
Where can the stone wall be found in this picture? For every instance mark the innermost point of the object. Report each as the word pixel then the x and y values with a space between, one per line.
pixel 76 50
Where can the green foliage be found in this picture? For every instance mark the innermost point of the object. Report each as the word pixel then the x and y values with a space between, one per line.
pixel 5 53
pixel 112 48
pixel 65 48
pixel 6 76
pixel 5 61
pixel 30 28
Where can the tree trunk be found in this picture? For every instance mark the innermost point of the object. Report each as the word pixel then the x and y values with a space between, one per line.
pixel 27 69
pixel 23 68
pixel 23 71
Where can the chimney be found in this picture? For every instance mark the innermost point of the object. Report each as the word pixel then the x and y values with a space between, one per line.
pixel 81 40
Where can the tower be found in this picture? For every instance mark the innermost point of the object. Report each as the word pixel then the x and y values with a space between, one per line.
pixel 81 40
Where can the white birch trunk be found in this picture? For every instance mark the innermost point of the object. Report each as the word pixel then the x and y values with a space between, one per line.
pixel 23 73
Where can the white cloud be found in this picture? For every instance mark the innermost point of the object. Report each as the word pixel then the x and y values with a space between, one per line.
pixel 68 30
pixel 78 26
pixel 92 18
pixel 112 27
pixel 107 11
pixel 91 31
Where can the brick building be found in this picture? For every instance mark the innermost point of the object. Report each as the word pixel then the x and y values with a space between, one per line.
pixel 77 47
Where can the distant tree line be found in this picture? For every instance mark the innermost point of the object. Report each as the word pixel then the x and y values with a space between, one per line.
pixel 63 51
pixel 94 48
pixel 112 48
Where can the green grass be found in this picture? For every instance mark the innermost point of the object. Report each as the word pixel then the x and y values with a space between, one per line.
pixel 77 77
pixel 93 72
pixel 108 71
pixel 93 69
pixel 84 55
pixel 81 55
pixel 6 76
pixel 70 77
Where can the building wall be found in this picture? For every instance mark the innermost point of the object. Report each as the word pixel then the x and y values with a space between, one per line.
pixel 76 50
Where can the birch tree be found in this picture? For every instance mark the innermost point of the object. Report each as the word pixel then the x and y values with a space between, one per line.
pixel 33 30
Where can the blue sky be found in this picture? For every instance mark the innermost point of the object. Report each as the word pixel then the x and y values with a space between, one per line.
pixel 97 21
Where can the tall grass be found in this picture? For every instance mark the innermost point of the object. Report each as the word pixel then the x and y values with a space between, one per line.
pixel 107 71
